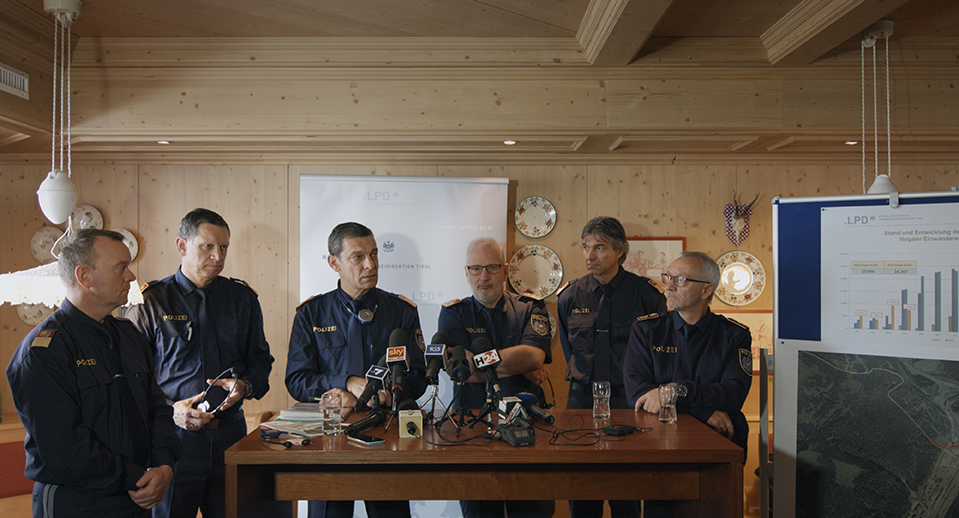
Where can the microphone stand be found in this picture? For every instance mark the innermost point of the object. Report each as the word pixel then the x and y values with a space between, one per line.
pixel 434 397
pixel 488 407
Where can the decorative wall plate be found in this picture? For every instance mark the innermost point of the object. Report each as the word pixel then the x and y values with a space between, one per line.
pixel 535 271
pixel 535 216
pixel 33 314
pixel 130 241
pixel 742 278
pixel 86 216
pixel 41 244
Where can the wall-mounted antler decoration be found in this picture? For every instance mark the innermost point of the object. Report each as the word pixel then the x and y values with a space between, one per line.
pixel 737 219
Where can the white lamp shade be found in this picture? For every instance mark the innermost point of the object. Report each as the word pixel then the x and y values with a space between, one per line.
pixel 57 196
pixel 882 185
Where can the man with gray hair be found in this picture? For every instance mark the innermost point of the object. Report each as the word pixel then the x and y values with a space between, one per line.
pixel 518 328
pixel 595 313
pixel 100 436
pixel 708 357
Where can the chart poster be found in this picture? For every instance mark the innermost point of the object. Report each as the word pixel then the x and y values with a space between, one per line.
pixel 890 276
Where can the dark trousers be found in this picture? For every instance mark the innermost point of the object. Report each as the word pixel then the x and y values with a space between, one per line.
pixel 344 509
pixel 198 477
pixel 511 508
pixel 53 501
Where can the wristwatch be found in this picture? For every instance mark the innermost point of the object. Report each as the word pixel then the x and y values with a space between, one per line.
pixel 249 389
pixel 681 391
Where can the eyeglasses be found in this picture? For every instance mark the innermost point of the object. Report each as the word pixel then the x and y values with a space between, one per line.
pixel 680 281
pixel 477 269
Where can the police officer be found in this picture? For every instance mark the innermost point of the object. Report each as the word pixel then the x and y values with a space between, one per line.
pixel 518 328
pixel 204 329
pixel 707 356
pixel 595 314
pixel 336 336
pixel 100 437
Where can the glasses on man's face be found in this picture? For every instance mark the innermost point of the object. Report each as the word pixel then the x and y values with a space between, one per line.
pixel 680 281
pixel 477 269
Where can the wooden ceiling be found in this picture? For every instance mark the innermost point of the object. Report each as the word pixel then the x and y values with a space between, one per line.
pixel 565 34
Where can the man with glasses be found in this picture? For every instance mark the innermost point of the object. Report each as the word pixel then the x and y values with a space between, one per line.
pixel 708 356
pixel 595 315
pixel 518 328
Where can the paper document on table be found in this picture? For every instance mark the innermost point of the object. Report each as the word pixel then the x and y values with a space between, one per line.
pixel 304 428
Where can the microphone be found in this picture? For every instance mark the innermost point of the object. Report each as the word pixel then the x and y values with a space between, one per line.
pixel 435 355
pixel 487 359
pixel 396 359
pixel 531 403
pixel 374 376
pixel 372 419
pixel 459 370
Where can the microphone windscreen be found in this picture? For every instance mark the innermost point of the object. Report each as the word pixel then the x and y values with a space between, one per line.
pixel 459 367
pixel 527 398
pixel 440 337
pixel 398 338
pixel 408 404
pixel 481 345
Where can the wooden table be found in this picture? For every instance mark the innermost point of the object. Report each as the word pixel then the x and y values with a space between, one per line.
pixel 685 461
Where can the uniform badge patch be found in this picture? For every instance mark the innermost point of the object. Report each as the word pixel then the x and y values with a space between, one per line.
pixel 746 360
pixel 420 341
pixel 450 303
pixel 406 299
pixel 647 317
pixel 540 324
pixel 42 339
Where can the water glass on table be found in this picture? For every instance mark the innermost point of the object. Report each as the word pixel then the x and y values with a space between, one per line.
pixel 600 400
pixel 331 404
pixel 667 403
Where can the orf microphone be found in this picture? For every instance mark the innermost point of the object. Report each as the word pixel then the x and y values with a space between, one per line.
pixel 459 367
pixel 486 359
pixel 435 355
pixel 375 377
pixel 372 419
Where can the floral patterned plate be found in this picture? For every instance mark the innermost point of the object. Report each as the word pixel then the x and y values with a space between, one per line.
pixel 535 216
pixel 41 244
pixel 742 278
pixel 535 271
pixel 86 216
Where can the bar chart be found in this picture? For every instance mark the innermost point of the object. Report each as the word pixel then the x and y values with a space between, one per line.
pixel 903 295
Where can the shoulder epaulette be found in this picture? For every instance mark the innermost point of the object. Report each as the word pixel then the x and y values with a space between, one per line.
pixel 648 317
pixel 144 286
pixel 652 283
pixel 406 300
pixel 305 301
pixel 241 281
pixel 451 303
pixel 45 335
pixel 738 323
pixel 563 287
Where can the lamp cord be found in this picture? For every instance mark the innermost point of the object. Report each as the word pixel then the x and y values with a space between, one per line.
pixel 875 116
pixel 53 131
pixel 862 84
pixel 888 120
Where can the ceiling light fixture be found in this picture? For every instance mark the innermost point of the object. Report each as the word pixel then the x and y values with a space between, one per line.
pixel 882 184
pixel 509 142
pixel 57 195
pixel 163 142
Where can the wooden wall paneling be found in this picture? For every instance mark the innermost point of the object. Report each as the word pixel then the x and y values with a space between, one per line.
pixel 694 101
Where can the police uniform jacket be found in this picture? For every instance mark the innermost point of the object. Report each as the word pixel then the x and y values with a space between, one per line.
pixel 169 319
pixel 85 428
pixel 714 364
pixel 515 320
pixel 321 357
pixel 630 296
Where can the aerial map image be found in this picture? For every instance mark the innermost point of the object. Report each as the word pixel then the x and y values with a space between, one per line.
pixel 877 436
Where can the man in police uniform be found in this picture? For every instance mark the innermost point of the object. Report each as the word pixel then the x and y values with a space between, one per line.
pixel 100 437
pixel 595 314
pixel 518 328
pixel 707 356
pixel 200 325
pixel 338 335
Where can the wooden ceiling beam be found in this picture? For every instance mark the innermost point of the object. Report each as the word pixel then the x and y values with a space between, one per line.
pixel 814 27
pixel 613 31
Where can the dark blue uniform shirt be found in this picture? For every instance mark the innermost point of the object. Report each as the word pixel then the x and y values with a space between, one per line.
pixel 169 320
pixel 582 331
pixel 715 365
pixel 69 378
pixel 321 357
pixel 515 320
